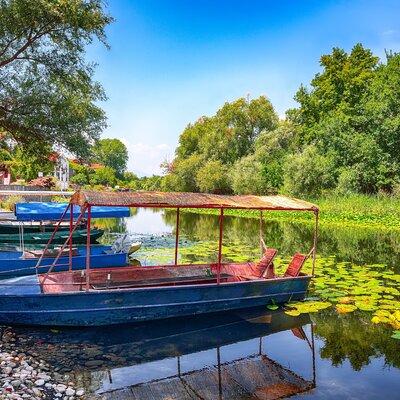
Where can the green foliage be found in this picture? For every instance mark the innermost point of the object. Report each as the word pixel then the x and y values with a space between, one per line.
pixel 247 176
pixel 47 92
pixel 111 153
pixel 308 173
pixel 218 141
pixel 103 176
pixel 343 137
pixel 25 164
pixel 213 177
pixel 10 202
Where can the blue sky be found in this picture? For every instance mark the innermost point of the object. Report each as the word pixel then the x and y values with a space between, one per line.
pixel 171 62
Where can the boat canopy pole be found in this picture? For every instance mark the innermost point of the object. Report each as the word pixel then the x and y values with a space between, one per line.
pixel 52 236
pixel 314 252
pixel 89 218
pixel 262 243
pixel 71 222
pixel 62 247
pixel 177 236
pixel 221 225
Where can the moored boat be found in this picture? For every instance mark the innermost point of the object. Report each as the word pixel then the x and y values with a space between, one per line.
pixel 19 263
pixel 122 295
pixel 79 236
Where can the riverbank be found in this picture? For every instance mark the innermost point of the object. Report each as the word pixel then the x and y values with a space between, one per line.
pixel 25 375
pixel 377 212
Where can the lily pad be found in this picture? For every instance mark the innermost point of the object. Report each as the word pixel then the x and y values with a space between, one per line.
pixel 345 308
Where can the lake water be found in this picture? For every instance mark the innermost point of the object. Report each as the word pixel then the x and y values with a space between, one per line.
pixel 248 354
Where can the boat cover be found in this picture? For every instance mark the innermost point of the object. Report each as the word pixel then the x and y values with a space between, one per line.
pixel 48 211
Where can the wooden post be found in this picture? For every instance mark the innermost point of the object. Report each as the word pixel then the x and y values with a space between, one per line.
pixel 221 226
pixel 71 222
pixel 176 236
pixel 261 234
pixel 314 253
pixel 89 217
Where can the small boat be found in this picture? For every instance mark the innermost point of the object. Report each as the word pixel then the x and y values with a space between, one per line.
pixel 79 236
pixel 20 263
pixel 117 295
pixel 16 227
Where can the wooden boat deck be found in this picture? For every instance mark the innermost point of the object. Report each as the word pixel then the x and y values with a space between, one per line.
pixel 136 277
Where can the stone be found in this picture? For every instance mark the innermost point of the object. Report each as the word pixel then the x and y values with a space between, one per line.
pixel 39 382
pixel 94 363
pixel 60 388
pixel 80 392
pixel 37 392
pixel 69 391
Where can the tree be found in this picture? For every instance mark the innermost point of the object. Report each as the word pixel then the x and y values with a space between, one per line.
pixel 213 178
pixel 247 176
pixel 103 176
pixel 309 173
pixel 47 92
pixel 224 138
pixel 111 153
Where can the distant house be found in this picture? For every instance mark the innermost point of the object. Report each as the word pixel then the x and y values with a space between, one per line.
pixel 5 175
pixel 61 170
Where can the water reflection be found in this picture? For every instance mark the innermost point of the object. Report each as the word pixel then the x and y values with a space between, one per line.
pixel 220 356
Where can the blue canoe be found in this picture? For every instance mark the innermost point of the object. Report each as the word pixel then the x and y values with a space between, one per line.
pixel 124 295
pixel 13 264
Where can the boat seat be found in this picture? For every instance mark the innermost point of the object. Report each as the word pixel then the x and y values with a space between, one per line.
pixel 295 265
pixel 266 264
pixel 171 281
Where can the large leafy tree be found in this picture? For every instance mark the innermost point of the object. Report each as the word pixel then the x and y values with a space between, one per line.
pixel 209 148
pixel 112 153
pixel 47 91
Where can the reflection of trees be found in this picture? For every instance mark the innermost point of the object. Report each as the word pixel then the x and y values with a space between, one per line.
pixel 353 337
pixel 110 224
pixel 360 246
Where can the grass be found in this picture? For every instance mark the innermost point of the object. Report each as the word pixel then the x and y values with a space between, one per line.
pixel 381 212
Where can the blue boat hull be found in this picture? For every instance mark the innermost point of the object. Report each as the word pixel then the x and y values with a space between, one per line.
pixel 27 305
pixel 12 265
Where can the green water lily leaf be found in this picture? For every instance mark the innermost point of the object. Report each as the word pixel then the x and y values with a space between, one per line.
pixel 272 307
pixel 396 335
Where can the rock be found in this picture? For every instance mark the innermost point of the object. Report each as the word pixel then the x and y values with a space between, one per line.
pixel 7 370
pixel 69 391
pixel 60 388
pixel 48 385
pixel 39 382
pixel 94 363
pixel 16 383
pixel 58 395
pixel 80 392
pixel 37 392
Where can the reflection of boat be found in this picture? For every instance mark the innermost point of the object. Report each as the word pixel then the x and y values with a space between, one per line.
pixel 79 236
pixel 121 295
pixel 19 263
pixel 217 369
pixel 127 356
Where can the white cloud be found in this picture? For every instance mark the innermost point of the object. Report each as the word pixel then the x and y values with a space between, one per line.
pixel 145 159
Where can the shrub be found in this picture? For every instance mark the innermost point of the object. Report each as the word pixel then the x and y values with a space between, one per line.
pixel 309 173
pixel 11 201
pixel 213 178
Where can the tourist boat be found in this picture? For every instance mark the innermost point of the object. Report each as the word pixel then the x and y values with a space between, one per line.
pixel 39 217
pixel 121 295
pixel 19 263
pixel 79 236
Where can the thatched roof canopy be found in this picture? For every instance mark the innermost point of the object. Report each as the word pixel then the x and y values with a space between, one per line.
pixel 189 200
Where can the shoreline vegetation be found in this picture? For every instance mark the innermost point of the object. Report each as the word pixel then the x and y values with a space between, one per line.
pixel 359 211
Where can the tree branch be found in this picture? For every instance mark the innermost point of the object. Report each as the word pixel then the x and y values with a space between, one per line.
pixel 31 39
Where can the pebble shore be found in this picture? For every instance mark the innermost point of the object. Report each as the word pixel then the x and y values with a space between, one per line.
pixel 24 375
